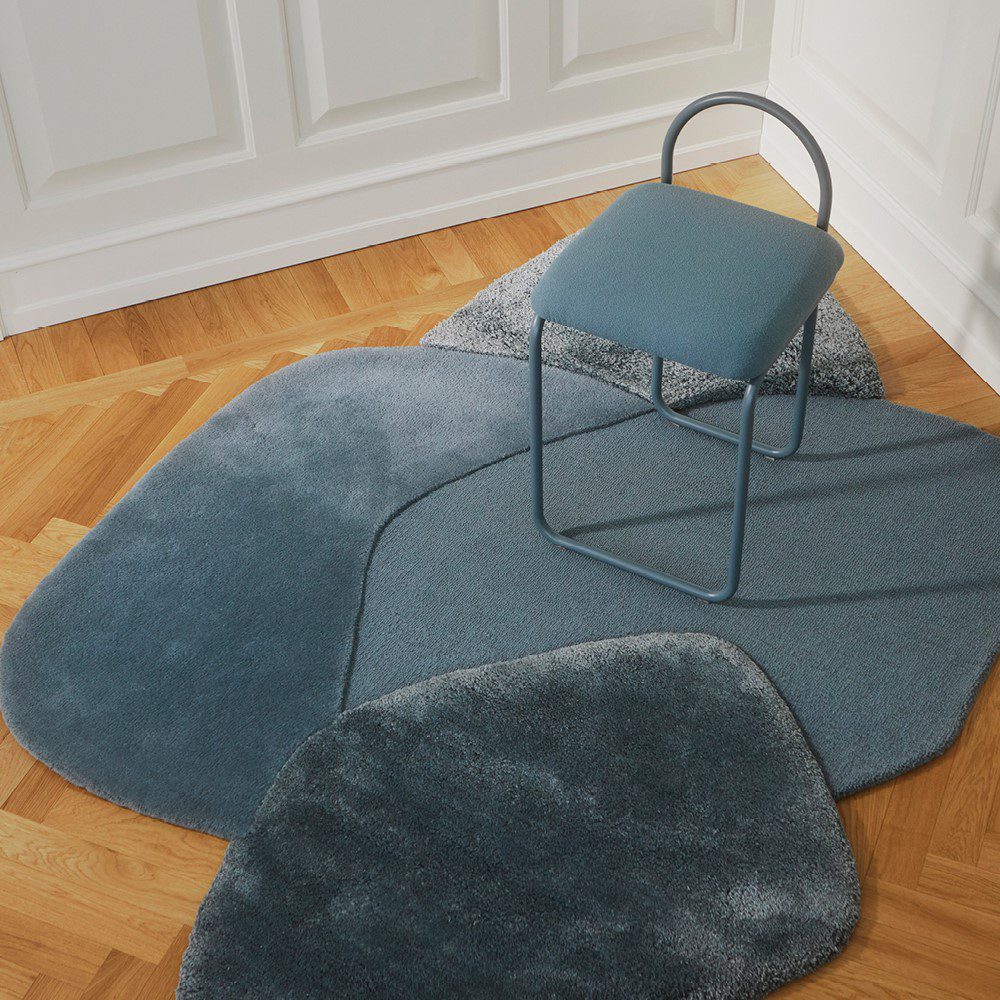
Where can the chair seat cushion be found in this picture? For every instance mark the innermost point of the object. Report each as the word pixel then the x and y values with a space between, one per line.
pixel 711 283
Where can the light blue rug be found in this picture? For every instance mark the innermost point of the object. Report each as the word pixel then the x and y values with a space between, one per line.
pixel 871 576
pixel 637 818
pixel 184 649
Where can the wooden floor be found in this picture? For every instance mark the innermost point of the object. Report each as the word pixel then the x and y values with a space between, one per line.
pixel 96 901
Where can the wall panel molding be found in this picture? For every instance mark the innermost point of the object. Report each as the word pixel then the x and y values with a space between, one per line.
pixel 592 41
pixel 346 84
pixel 934 234
pixel 256 134
pixel 74 130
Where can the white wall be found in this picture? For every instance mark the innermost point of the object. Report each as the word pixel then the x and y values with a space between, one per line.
pixel 152 146
pixel 904 97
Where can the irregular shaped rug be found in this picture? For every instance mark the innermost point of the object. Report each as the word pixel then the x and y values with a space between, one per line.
pixel 633 818
pixel 498 319
pixel 179 654
pixel 871 581
pixel 183 650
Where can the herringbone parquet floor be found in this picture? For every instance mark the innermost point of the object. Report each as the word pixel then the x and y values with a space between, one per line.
pixel 97 901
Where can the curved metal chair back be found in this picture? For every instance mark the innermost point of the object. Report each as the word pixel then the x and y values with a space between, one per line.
pixel 768 107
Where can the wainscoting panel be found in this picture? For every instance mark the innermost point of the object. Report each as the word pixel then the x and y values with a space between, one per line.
pixel 395 64
pixel 90 115
pixel 147 148
pixel 903 96
pixel 591 39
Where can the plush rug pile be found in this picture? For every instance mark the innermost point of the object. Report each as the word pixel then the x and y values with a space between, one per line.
pixel 498 319
pixel 870 591
pixel 301 595
pixel 635 818
pixel 220 613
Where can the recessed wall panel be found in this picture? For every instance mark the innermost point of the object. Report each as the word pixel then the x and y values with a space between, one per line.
pixel 896 70
pixel 361 64
pixel 594 37
pixel 101 92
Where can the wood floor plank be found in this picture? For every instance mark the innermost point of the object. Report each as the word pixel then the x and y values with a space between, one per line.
pixel 161 983
pixel 168 848
pixel 491 256
pixel 77 487
pixel 965 811
pixel 285 299
pixel 351 328
pixel 15 981
pixel 968 932
pixel 217 316
pixel 22 566
pixel 19 438
pixel 401 269
pixel 222 389
pixel 49 950
pixel 143 335
pixel 23 475
pixel 120 440
pixel 32 797
pixel 93 913
pixel 58 537
pixel 111 342
pixel 46 988
pixel 320 290
pixel 989 853
pixel 919 962
pixel 121 977
pixel 908 826
pixel 97 870
pixel 103 387
pixel 12 380
pixel 451 257
pixel 863 815
pixel 15 763
pixel 523 235
pixel 176 323
pixel 74 351
pixel 964 884
pixel 572 215
pixel 353 281
pixel 247 301
pixel 39 361
pixel 846 978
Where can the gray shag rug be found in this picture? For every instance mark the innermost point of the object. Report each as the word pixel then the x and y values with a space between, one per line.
pixel 635 818
pixel 322 540
pixel 498 319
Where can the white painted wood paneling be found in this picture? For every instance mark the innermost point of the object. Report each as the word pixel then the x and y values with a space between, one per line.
pixel 366 64
pixel 148 147
pixel 903 96
pixel 591 39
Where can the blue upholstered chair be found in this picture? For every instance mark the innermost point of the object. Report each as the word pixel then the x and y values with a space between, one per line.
pixel 702 280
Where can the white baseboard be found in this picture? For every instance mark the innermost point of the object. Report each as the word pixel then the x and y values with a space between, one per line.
pixel 960 305
pixel 117 269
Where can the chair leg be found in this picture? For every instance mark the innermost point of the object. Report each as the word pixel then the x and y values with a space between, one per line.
pixel 798 419
pixel 745 446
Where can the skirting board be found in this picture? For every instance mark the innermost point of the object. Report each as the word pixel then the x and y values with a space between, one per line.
pixel 957 303
pixel 114 270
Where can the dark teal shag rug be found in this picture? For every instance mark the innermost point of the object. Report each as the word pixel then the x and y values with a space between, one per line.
pixel 184 649
pixel 636 818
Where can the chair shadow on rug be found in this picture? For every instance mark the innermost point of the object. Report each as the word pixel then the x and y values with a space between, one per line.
pixel 343 532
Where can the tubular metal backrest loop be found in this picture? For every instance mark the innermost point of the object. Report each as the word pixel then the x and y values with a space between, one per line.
pixel 769 107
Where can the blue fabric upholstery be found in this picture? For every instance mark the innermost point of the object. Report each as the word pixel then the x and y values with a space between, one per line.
pixel 711 283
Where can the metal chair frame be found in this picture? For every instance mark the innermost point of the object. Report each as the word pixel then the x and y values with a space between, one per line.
pixel 744 439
